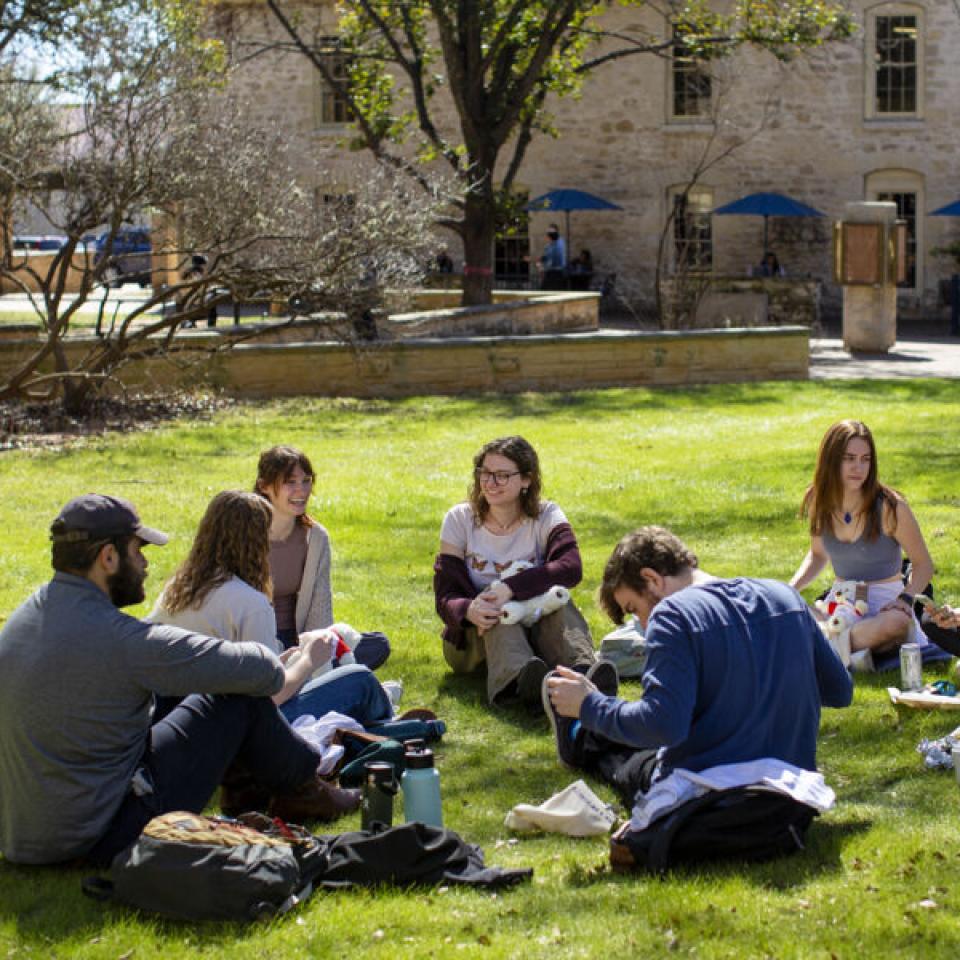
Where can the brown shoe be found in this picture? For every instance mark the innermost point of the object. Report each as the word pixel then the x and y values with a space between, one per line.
pixel 418 713
pixel 317 799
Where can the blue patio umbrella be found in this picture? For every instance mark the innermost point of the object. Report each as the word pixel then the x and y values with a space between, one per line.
pixel 950 210
pixel 566 200
pixel 767 205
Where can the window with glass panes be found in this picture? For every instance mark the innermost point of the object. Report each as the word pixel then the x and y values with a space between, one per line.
pixel 895 54
pixel 693 231
pixel 511 247
pixel 906 210
pixel 692 88
pixel 334 107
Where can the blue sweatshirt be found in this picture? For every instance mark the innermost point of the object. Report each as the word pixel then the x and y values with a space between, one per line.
pixel 737 670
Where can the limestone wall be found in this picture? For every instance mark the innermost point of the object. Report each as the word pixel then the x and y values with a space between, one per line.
pixel 463 365
pixel 801 128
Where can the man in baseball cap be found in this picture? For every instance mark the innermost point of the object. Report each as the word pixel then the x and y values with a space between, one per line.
pixel 85 762
pixel 95 516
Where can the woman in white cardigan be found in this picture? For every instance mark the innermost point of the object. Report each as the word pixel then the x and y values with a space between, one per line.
pixel 300 554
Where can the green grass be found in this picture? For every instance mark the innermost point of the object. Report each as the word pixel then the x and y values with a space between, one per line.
pixel 725 468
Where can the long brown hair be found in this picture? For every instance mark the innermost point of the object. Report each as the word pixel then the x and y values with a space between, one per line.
pixel 824 497
pixel 233 540
pixel 525 458
pixel 275 467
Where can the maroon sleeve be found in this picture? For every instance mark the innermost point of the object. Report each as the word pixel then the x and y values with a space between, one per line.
pixel 453 590
pixel 561 567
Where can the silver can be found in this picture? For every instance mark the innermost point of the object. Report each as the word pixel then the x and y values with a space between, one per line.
pixel 911 667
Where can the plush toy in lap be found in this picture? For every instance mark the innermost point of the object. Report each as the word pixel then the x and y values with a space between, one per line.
pixel 528 612
pixel 843 610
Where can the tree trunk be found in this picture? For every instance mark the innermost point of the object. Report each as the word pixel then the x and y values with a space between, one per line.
pixel 479 228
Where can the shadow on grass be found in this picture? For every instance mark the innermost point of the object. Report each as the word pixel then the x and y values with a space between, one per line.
pixel 470 690
pixel 613 401
pixel 45 907
pixel 822 855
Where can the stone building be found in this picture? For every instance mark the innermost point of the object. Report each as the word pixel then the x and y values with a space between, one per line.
pixel 872 118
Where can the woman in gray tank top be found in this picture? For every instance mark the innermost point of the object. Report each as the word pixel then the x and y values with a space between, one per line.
pixel 863 528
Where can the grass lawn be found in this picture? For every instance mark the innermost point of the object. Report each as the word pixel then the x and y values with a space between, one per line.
pixel 725 467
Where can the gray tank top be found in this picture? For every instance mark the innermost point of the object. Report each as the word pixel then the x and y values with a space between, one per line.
pixel 864 559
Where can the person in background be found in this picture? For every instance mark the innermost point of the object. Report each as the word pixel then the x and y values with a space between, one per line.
pixel 553 263
pixel 769 266
pixel 581 270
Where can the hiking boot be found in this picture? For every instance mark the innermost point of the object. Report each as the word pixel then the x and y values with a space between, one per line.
pixel 317 799
pixel 530 680
pixel 567 746
pixel 603 675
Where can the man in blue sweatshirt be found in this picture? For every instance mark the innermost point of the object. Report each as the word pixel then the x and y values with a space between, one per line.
pixel 737 670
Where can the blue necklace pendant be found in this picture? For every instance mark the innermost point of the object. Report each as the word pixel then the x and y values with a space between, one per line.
pixel 847 517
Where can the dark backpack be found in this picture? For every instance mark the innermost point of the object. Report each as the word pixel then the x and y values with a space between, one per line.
pixel 743 823
pixel 192 867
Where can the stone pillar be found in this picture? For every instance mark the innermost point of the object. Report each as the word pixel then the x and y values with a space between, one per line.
pixel 870 310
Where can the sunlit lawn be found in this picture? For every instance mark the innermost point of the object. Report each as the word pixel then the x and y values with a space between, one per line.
pixel 725 468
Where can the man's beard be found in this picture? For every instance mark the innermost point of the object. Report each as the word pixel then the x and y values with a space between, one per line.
pixel 126 585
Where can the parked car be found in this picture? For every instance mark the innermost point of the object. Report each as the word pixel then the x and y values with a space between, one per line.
pixel 46 242
pixel 129 258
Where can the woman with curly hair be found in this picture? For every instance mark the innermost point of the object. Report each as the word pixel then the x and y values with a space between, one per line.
pixel 223 590
pixel 863 528
pixel 300 554
pixel 505 521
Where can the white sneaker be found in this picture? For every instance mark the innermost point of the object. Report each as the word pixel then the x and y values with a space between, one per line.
pixel 862 662
pixel 394 690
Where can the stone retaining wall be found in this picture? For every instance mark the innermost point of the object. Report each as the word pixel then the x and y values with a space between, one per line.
pixel 470 365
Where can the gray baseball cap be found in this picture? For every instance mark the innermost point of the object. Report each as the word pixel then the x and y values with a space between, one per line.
pixel 95 516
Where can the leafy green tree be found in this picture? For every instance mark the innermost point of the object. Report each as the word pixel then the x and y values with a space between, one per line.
pixel 499 62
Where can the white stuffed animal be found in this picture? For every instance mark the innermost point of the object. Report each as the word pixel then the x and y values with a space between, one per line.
pixel 843 591
pixel 528 612
pixel 843 610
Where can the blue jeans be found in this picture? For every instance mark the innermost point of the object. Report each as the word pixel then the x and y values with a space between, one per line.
pixel 187 753
pixel 352 690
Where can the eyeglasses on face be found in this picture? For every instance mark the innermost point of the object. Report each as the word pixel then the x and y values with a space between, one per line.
pixel 500 478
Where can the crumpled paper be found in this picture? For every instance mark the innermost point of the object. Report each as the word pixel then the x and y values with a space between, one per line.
pixel 576 811
pixel 938 754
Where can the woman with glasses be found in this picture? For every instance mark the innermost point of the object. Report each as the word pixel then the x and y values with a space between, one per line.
pixel 300 554
pixel 505 521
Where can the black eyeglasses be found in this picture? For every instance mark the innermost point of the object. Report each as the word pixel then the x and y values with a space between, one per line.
pixel 500 477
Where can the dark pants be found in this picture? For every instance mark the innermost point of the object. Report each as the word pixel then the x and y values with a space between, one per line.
pixel 628 771
pixel 190 749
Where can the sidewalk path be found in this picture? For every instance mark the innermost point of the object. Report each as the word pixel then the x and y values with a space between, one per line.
pixel 922 357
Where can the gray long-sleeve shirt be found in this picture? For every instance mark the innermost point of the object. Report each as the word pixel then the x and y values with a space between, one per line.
pixel 77 678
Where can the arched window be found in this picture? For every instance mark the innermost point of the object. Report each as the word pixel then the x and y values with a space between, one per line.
pixel 905 188
pixel 692 228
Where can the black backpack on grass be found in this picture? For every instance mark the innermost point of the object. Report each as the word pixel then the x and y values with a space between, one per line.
pixel 742 823
pixel 191 867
